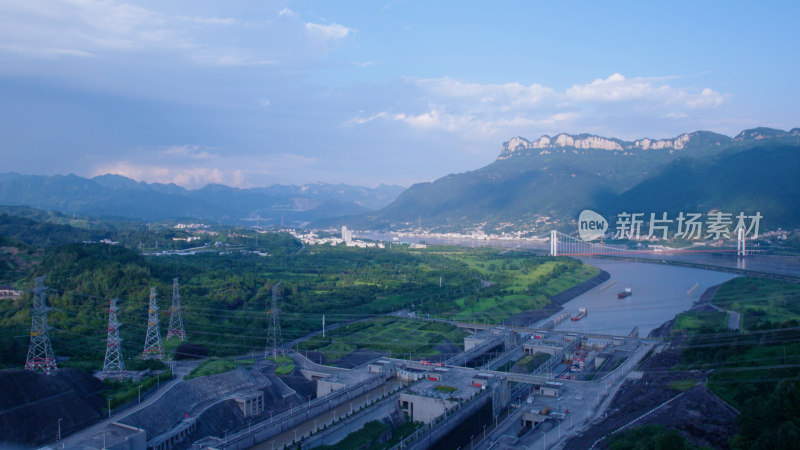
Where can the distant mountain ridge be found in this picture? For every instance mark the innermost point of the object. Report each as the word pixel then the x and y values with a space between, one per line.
pixel 115 195
pixel 703 139
pixel 557 177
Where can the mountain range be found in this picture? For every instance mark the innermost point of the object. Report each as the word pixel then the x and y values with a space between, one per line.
pixel 554 178
pixel 548 179
pixel 118 196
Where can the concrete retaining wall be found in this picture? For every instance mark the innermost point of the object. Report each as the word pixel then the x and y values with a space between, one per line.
pixel 287 420
pixel 425 438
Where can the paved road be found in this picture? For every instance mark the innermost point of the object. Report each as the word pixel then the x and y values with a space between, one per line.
pixel 734 319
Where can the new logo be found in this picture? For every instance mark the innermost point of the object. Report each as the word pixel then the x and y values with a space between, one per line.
pixel 591 225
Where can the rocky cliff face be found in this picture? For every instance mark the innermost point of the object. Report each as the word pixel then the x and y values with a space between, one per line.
pixel 757 134
pixel 545 144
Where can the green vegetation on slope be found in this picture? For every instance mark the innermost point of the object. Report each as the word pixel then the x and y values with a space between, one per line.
pixel 763 303
pixel 403 338
pixel 512 282
pixel 649 437
pixel 285 364
pixel 757 370
pixel 697 321
pixel 212 367
pixel 225 294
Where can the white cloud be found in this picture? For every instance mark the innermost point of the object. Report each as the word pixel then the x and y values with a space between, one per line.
pixel 363 120
pixel 192 151
pixel 617 88
pixel 493 111
pixel 205 167
pixel 102 28
pixel 330 34
pixel 82 27
pixel 210 20
pixel 190 177
pixel 509 94
pixel 434 119
pixel 230 58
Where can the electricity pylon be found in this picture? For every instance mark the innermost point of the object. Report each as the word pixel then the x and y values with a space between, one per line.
pixel 40 351
pixel 152 341
pixel 175 318
pixel 113 365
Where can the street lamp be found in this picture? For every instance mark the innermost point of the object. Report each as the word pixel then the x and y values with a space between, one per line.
pixel 59 428
pixel 544 436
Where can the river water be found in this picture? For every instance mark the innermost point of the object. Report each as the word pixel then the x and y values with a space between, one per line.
pixel 777 264
pixel 659 293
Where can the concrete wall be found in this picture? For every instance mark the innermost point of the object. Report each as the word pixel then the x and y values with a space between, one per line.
pixel 326 386
pixel 262 431
pixel 426 438
pixel 423 409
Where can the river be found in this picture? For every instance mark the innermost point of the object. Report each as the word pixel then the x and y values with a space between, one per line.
pixel 659 293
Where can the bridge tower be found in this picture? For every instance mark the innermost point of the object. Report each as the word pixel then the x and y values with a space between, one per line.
pixel 152 341
pixel 274 332
pixel 113 365
pixel 741 249
pixel 553 243
pixel 40 351
pixel 175 318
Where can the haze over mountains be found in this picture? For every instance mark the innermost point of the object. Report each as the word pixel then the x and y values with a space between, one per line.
pixel 559 176
pixel 118 196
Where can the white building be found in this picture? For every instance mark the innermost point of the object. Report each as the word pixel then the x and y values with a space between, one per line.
pixel 347 235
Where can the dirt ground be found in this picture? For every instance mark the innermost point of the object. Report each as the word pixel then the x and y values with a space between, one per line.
pixel 699 415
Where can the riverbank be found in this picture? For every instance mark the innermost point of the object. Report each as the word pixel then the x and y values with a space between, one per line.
pixel 555 306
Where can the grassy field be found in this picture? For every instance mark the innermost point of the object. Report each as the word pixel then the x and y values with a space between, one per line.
pixel 757 370
pixel 682 385
pixel 121 392
pixel 694 321
pixel 285 365
pixel 763 303
pixel 212 367
pixel 517 282
pixel 767 350
pixel 401 337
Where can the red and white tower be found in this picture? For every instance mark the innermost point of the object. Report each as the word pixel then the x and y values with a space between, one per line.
pixel 40 352
pixel 113 366
pixel 175 318
pixel 152 341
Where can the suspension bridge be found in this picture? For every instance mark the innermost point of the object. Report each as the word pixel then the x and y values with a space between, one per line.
pixel 564 245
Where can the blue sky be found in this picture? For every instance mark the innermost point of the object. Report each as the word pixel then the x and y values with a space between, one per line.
pixel 262 92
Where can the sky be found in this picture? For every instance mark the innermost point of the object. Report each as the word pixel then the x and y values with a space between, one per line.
pixel 253 93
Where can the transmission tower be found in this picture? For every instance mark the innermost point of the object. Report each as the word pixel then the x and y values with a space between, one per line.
pixel 274 332
pixel 152 341
pixel 113 366
pixel 40 352
pixel 175 317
